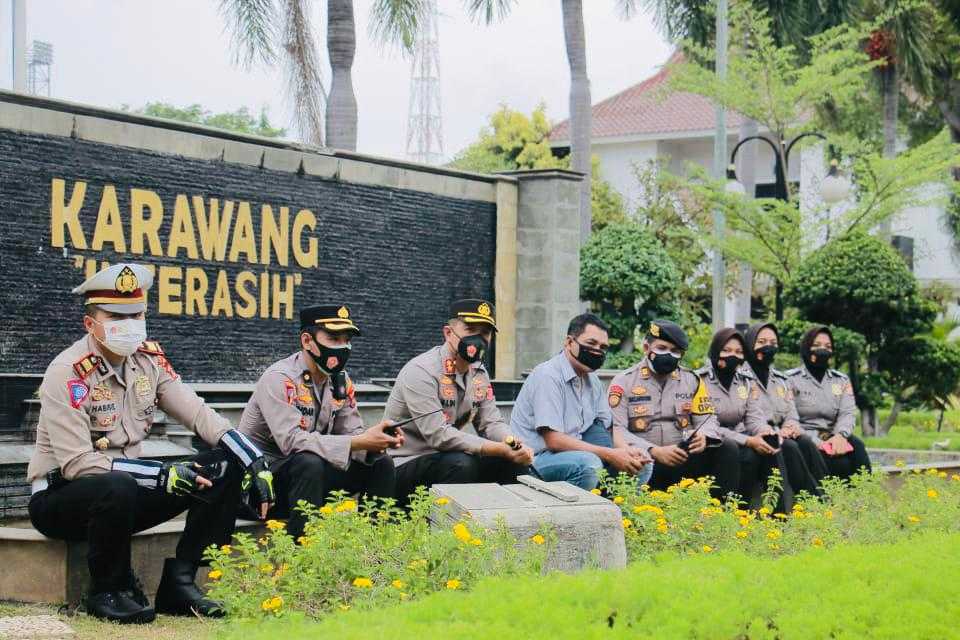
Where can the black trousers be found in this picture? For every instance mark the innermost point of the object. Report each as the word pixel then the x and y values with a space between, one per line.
pixel 307 476
pixel 755 469
pixel 106 509
pixel 453 467
pixel 805 465
pixel 722 462
pixel 849 464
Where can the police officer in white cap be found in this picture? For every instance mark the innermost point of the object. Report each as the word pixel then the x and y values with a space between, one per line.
pixel 97 404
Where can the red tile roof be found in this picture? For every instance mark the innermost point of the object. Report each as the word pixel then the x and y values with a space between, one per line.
pixel 648 108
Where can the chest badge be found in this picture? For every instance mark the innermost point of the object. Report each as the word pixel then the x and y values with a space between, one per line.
pixel 742 392
pixel 102 443
pixel 639 390
pixel 781 392
pixel 101 392
pixel 142 386
pixel 837 389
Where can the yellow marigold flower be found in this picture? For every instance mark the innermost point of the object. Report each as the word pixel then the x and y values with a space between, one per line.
pixel 453 584
pixel 817 542
pixel 764 511
pixel 595 492
pixel 774 534
pixel 275 525
pixel 226 548
pixel 707 548
pixel 932 472
pixel 648 508
pixel 662 528
pixel 441 501
pixel 644 488
pixel 618 500
pixel 900 463
pixel 955 477
pixel 538 539
pixel 661 522
pixel 656 493
pixel 782 516
pixel 686 482
pixel 697 527
pixel 263 542
pixel 281 570
pixel 477 542
pixel 404 596
pixel 942 475
pixel 362 583
pixel 461 532
pixel 932 494
pixel 913 519
pixel 828 514
pixel 417 563
pixel 627 523
pixel 305 541
pixel 742 534
pixel 216 574
pixel 344 607
pixel 398 584
pixel 266 568
pixel 744 521
pixel 774 547
pixel 715 502
pixel 272 604
pixel 740 513
pixel 798 507
pixel 346 505
pixel 326 510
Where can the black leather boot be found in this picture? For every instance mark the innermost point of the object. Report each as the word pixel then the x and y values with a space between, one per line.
pixel 135 592
pixel 178 594
pixel 117 607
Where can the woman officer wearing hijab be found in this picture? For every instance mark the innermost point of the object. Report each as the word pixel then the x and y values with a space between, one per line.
pixel 805 467
pixel 825 405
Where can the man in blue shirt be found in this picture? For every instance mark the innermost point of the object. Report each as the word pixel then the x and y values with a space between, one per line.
pixel 562 413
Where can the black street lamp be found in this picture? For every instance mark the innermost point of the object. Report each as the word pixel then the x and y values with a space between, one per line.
pixel 833 189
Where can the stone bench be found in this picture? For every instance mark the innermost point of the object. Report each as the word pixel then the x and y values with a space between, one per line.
pixel 37 569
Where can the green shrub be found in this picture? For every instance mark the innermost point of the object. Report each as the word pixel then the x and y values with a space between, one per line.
pixel 369 554
pixel 903 590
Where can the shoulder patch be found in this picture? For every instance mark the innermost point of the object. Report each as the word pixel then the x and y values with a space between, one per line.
pixel 701 404
pixel 152 347
pixel 87 365
pixel 78 391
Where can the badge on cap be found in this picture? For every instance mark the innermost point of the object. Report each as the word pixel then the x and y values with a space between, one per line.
pixel 654 330
pixel 127 281
pixel 484 309
pixel 343 313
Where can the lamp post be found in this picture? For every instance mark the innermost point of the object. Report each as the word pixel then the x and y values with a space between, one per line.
pixel 834 187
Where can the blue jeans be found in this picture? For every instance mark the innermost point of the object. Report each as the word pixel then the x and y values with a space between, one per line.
pixel 580 467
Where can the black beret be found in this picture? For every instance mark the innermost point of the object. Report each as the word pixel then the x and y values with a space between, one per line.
pixel 669 331
pixel 330 317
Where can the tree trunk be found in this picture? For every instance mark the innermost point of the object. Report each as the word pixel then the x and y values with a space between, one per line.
pixel 890 86
pixel 342 103
pixel 868 414
pixel 575 40
pixel 891 419
pixel 747 173
pixel 940 419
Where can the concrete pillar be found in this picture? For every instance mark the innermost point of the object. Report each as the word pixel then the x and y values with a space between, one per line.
pixel 20 45
pixel 548 262
pixel 505 279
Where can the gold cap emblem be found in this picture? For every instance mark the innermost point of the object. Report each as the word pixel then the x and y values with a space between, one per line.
pixel 343 313
pixel 127 281
pixel 484 309
pixel 654 330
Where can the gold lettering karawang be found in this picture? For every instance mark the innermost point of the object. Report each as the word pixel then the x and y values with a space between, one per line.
pixel 255 238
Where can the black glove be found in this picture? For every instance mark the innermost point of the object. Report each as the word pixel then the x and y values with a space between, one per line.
pixel 179 478
pixel 261 482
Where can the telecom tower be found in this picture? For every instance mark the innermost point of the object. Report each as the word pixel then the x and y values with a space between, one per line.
pixel 39 62
pixel 424 120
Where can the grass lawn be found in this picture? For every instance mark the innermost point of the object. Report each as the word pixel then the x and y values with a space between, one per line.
pixel 907 437
pixel 87 628
pixel 904 590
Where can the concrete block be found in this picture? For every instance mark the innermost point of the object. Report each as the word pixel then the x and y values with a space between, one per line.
pixel 369 173
pixel 531 316
pixel 35 120
pixel 282 160
pixel 315 164
pixel 128 134
pixel 242 153
pixel 588 528
pixel 534 266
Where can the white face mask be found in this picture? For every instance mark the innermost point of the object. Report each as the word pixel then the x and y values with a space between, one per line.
pixel 123 337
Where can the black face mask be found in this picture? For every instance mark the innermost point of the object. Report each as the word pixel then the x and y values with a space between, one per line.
pixel 589 357
pixel 819 358
pixel 331 360
pixel 664 363
pixel 765 354
pixel 728 370
pixel 472 348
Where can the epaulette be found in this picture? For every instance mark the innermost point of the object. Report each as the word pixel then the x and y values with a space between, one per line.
pixel 152 347
pixel 792 372
pixel 840 374
pixel 776 373
pixel 746 372
pixel 705 369
pixel 88 364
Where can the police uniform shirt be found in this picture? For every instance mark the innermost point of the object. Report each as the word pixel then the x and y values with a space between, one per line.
pixel 91 413
pixel 776 399
pixel 554 396
pixel 648 415
pixel 429 382
pixel 290 412
pixel 738 409
pixel 824 407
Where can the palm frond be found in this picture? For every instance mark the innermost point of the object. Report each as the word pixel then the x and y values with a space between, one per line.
pixel 488 11
pixel 303 70
pixel 252 27
pixel 394 23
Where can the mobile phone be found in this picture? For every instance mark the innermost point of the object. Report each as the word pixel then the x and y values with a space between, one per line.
pixel 772 439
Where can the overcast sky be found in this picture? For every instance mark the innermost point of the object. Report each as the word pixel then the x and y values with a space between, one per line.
pixel 114 52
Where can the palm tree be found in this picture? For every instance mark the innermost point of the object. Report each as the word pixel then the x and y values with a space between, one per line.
pixel 280 31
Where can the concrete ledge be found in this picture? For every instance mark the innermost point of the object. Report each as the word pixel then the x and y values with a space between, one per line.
pixel 38 569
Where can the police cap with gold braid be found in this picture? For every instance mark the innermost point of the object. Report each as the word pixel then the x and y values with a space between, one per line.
pixel 120 288
pixel 330 317
pixel 669 331
pixel 473 311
